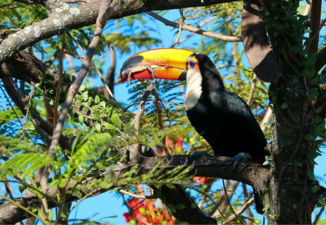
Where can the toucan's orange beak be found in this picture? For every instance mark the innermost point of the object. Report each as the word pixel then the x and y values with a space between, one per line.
pixel 163 63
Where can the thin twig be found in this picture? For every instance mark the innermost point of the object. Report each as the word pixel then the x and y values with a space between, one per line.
pixel 27 111
pixel 57 94
pixel 191 34
pixel 319 214
pixel 142 105
pixel 204 195
pixel 180 29
pixel 71 65
pixel 234 214
pixel 110 74
pixel 252 89
pixel 132 195
pixel 321 25
pixel 159 118
pixel 245 192
pixel 196 30
pixel 239 212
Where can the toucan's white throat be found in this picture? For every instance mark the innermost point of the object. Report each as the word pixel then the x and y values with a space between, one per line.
pixel 194 88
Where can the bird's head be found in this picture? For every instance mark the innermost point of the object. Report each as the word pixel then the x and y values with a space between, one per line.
pixel 166 63
pixel 172 64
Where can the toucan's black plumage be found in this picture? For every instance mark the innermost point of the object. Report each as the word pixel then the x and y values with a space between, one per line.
pixel 225 120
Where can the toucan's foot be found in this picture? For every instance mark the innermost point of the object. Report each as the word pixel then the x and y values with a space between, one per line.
pixel 152 71
pixel 197 155
pixel 129 75
pixel 237 158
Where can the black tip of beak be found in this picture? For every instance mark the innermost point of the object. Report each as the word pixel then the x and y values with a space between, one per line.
pixel 183 76
pixel 131 62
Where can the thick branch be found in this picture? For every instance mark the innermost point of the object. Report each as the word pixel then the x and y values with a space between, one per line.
pixel 246 171
pixel 320 59
pixel 314 25
pixel 256 44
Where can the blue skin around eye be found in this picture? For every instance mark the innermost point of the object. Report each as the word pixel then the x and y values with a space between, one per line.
pixel 192 64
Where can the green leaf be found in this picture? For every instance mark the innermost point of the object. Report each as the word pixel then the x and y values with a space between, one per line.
pixel 50 214
pixel 95 117
pixel 98 127
pixel 311 175
pixel 21 188
pixel 123 158
pixel 108 126
pixel 298 163
pixel 314 189
pixel 40 212
pixel 113 216
pixel 172 208
pixel 284 105
pixel 97 99
pixel 100 166
pixel 81 118
pixel 193 205
pixel 308 137
pixel 321 201
pixel 180 206
pixel 319 110
pixel 90 101
pixel 116 121
pixel 82 87
pixel 268 125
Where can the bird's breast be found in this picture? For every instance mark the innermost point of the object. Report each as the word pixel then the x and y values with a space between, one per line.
pixel 194 89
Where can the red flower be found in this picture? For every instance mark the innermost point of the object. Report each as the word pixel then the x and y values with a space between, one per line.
pixel 202 180
pixel 127 217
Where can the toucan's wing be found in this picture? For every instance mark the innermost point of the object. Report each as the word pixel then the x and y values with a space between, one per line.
pixel 236 119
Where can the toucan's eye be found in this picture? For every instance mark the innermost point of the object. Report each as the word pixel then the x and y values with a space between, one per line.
pixel 192 64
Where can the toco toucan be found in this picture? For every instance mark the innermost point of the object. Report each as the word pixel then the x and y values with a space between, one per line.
pixel 220 116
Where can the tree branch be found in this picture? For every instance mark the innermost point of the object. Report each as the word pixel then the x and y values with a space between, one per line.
pixel 320 59
pixel 314 26
pixel 239 212
pixel 256 44
pixel 247 172
pixel 195 30
pixel 110 75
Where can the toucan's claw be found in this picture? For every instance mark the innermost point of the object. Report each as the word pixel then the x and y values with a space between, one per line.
pixel 129 75
pixel 201 154
pixel 237 158
pixel 152 71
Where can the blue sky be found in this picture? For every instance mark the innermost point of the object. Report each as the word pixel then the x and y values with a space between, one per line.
pixel 108 203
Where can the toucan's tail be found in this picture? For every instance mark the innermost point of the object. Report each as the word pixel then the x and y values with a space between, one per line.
pixel 259 203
